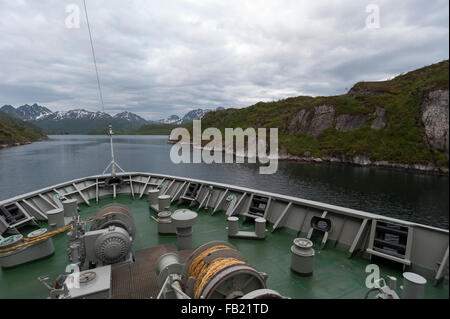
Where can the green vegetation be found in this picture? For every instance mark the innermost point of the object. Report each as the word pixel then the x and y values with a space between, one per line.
pixel 155 129
pixel 402 141
pixel 13 130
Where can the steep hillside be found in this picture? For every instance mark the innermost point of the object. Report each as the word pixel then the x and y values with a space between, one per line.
pixel 401 122
pixel 15 132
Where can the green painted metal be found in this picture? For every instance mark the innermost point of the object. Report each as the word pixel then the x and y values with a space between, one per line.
pixel 335 276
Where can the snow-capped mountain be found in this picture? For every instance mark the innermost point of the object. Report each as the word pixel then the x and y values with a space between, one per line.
pixel 81 121
pixel 130 117
pixel 194 115
pixel 78 121
pixel 74 115
pixel 27 112
pixel 188 117
pixel 173 119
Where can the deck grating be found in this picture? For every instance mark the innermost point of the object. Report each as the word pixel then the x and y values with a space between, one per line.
pixel 138 280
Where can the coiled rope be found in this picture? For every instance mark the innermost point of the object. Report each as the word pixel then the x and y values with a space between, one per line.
pixel 203 272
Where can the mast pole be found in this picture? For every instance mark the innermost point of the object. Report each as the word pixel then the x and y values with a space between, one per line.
pixel 113 162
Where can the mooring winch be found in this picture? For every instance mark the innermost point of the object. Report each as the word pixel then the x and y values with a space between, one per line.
pixel 215 270
pixel 108 240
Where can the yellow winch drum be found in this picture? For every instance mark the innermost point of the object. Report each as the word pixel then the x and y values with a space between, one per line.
pixel 217 270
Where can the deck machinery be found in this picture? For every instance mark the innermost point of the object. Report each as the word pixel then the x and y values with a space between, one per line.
pixel 214 270
pixel 104 264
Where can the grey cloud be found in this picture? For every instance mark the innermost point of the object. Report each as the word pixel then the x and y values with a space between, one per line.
pixel 158 58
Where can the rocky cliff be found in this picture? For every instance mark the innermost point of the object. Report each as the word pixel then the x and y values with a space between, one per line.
pixel 399 123
pixel 435 120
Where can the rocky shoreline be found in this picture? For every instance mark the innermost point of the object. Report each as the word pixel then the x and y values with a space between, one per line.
pixel 362 161
pixel 22 143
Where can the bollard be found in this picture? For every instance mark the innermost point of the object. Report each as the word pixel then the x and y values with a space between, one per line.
pixel 56 218
pixel 153 197
pixel 260 227
pixel 233 225
pixel 183 220
pixel 163 203
pixel 70 207
pixel 165 225
pixel 413 286
pixel 302 256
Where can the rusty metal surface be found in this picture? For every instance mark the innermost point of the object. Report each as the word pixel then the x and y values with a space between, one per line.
pixel 138 280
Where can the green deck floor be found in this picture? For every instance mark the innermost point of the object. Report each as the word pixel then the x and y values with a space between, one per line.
pixel 335 275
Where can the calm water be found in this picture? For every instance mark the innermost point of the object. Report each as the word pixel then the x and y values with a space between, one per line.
pixel 418 198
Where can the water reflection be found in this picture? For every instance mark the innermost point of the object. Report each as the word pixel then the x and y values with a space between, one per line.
pixel 419 198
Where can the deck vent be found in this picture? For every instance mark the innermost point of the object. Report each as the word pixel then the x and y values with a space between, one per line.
pixel 321 224
pixel 258 205
pixel 192 190
pixel 391 239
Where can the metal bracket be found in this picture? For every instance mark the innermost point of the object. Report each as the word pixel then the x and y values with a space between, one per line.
pixel 440 272
pixel 357 237
pixel 230 213
pixel 283 214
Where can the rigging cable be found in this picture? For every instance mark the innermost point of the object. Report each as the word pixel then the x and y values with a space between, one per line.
pixel 93 55
pixel 35 240
pixel 113 164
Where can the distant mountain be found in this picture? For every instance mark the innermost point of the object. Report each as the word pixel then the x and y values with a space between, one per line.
pixel 130 117
pixel 78 121
pixel 77 114
pixel 194 115
pixel 172 119
pixel 10 110
pixel 26 112
pixel 81 121
pixel 197 114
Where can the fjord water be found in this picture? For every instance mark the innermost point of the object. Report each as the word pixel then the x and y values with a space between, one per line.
pixel 414 197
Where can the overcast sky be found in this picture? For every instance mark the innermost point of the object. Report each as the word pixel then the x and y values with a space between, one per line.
pixel 157 58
